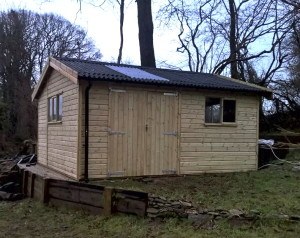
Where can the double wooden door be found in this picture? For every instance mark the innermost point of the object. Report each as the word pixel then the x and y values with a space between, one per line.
pixel 142 133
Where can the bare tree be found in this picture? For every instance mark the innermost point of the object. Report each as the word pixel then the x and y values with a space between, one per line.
pixel 145 25
pixel 27 39
pixel 222 36
pixel 121 4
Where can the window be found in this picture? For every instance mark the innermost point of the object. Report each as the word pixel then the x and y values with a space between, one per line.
pixel 218 110
pixel 213 110
pixel 55 108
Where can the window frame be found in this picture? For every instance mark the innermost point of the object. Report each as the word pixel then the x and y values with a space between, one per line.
pixel 221 123
pixel 54 113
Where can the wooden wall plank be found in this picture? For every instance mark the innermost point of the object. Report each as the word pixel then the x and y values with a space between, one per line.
pixel 222 148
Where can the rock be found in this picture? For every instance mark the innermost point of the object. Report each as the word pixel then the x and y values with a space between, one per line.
pixel 296 169
pixel 191 211
pixel 285 217
pixel 213 213
pixel 236 212
pixel 159 200
pixel 185 204
pixel 152 210
pixel 176 204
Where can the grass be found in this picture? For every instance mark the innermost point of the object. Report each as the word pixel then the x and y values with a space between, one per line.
pixel 274 190
pixel 31 219
pixel 271 191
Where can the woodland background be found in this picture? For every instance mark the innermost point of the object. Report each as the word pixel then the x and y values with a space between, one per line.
pixel 257 41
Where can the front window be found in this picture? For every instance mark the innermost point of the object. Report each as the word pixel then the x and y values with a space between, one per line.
pixel 213 110
pixel 218 110
pixel 55 108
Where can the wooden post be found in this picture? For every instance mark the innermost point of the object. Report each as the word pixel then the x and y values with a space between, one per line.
pixel 25 182
pixel 45 190
pixel 107 201
pixel 32 185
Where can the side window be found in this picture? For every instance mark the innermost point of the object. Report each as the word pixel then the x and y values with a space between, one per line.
pixel 218 110
pixel 60 102
pixel 55 108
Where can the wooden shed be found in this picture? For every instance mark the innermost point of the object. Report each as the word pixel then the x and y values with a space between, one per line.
pixel 99 120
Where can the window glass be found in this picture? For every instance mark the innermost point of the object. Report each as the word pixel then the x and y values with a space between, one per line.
pixel 213 110
pixel 60 102
pixel 229 110
pixel 50 109
pixel 54 108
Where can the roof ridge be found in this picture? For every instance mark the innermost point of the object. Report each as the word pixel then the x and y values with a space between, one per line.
pixel 127 65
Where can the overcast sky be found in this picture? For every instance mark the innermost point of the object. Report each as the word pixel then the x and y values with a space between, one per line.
pixel 102 25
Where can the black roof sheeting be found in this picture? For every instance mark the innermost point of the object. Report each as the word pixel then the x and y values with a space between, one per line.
pixel 93 70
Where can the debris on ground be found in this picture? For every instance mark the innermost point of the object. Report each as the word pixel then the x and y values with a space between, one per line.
pixel 10 188
pixel 160 207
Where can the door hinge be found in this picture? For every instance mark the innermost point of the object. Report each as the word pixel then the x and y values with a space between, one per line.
pixel 171 94
pixel 170 133
pixel 117 90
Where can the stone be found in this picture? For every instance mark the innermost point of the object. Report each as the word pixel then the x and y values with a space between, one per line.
pixel 213 213
pixel 285 217
pixel 176 203
pixel 152 210
pixel 185 204
pixel 159 200
pixel 296 169
pixel 191 211
pixel 236 212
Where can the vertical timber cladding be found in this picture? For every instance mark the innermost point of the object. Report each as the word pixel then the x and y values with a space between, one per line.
pixel 142 133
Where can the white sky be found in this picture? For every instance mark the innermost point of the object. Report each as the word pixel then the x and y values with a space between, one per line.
pixel 102 26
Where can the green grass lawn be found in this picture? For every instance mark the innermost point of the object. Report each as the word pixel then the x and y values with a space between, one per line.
pixel 275 190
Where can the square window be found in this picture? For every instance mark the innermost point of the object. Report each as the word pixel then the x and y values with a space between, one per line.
pixel 50 109
pixel 213 110
pixel 60 102
pixel 55 108
pixel 219 110
pixel 228 110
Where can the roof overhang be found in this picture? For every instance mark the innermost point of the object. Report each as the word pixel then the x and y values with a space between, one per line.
pixel 58 66
pixel 265 92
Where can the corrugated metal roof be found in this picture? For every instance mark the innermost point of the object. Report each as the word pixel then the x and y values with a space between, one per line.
pixel 101 71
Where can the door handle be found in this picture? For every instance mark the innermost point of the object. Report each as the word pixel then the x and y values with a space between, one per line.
pixel 146 127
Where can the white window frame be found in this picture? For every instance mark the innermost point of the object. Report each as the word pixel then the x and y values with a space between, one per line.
pixel 54 112
pixel 222 99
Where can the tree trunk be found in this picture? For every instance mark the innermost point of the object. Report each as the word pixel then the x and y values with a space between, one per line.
pixel 121 30
pixel 232 41
pixel 145 24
